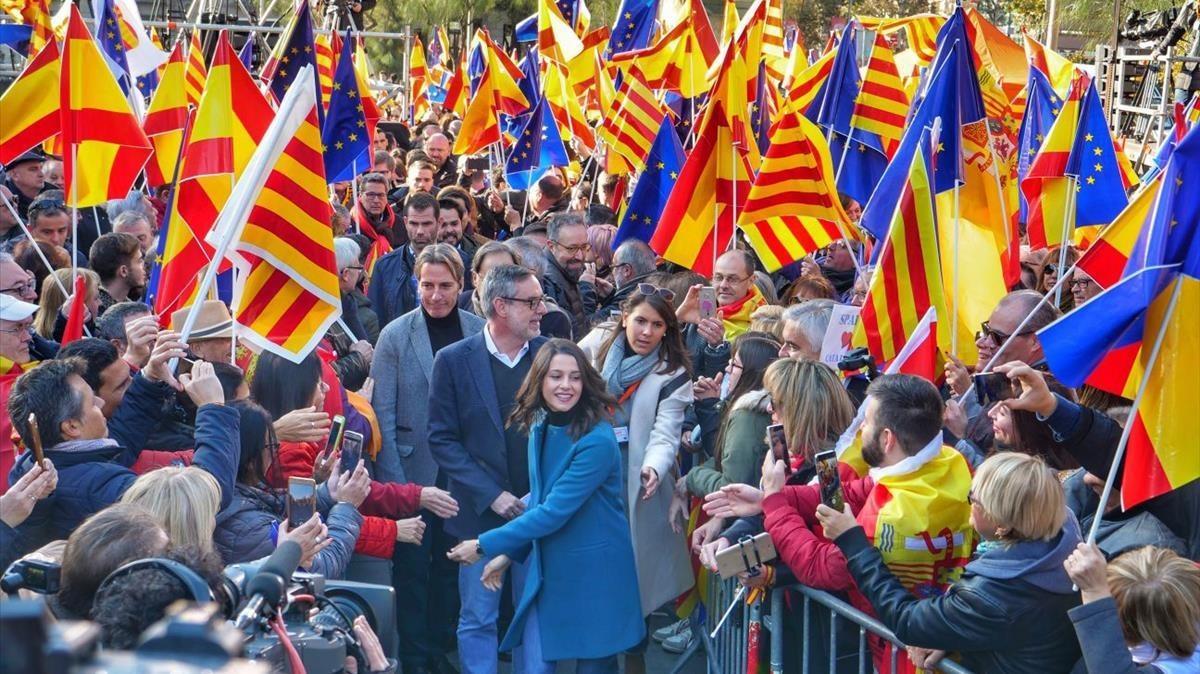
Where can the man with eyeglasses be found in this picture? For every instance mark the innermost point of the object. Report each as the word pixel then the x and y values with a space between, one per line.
pixel 964 417
pixel 565 281
pixel 16 335
pixel 1083 287
pixel 485 461
pixel 373 215
pixel 708 339
pixel 19 284
pixel 633 262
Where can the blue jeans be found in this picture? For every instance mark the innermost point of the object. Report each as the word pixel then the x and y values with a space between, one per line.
pixel 531 643
pixel 478 636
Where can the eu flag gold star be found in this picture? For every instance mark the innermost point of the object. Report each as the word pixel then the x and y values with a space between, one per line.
pixel 1088 137
pixel 1091 180
pixel 1099 167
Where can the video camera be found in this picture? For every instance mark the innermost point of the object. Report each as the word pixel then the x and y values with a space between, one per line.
pixel 859 359
pixel 265 614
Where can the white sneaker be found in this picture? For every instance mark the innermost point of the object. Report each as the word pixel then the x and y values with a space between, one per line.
pixel 663 633
pixel 679 643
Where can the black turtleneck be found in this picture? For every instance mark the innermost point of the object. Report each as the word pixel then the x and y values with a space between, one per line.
pixel 443 331
pixel 562 418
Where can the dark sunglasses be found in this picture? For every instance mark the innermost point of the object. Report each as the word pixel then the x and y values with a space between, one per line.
pixel 650 289
pixel 997 336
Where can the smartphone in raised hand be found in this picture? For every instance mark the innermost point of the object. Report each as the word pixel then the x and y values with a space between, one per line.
pixel 351 452
pixel 301 500
pixel 992 387
pixel 708 302
pixel 779 450
pixel 830 481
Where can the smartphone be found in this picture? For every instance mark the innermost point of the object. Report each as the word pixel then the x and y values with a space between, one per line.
pixel 747 555
pixel 992 387
pixel 708 302
pixel 301 500
pixel 36 433
pixel 351 452
pixel 478 162
pixel 828 478
pixel 335 434
pixel 778 441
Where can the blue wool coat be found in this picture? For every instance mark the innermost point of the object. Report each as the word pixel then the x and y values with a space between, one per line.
pixel 575 537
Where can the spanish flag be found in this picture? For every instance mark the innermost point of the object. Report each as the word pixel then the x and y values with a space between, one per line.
pixel 166 119
pixel 30 116
pixel 105 147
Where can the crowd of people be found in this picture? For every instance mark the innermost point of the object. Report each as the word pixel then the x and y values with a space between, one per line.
pixel 559 437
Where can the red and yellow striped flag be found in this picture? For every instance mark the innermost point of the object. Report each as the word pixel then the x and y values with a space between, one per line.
pixel 326 53
pixel 566 106
pixel 921 31
pixel 677 61
pixel 287 294
pixel 793 208
pixel 418 79
pixel 166 118
pixel 30 116
pixel 1046 188
pixel 196 73
pixel 631 125
pixel 34 13
pixel 104 146
pixel 698 219
pixel 220 144
pixel 772 42
pixel 497 92
pixel 803 86
pixel 882 105
pixel 907 282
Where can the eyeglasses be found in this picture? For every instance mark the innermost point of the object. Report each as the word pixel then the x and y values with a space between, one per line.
pixel 573 250
pixel 20 288
pixel 374 195
pixel 650 289
pixel 356 268
pixel 532 302
pixel 971 497
pixel 28 327
pixel 997 336
pixel 1081 282
pixel 718 279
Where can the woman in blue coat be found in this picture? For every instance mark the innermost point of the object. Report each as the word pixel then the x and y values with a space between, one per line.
pixel 581 599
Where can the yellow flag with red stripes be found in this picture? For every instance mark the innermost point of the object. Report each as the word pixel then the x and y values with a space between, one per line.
pixel 197 72
pixel 882 105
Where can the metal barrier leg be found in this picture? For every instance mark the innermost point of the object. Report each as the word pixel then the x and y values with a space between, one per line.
pixel 777 632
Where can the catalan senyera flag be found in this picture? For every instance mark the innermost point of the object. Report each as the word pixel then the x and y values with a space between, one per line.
pixel 418 78
pixel 223 137
pixel 697 223
pixel 631 125
pixel 793 207
pixel 277 226
pixel 165 120
pixel 196 73
pixel 907 282
pixel 1048 190
pixel 105 148
pixel 920 29
pixel 772 50
pixel 882 104
pixel 804 86
pixel 677 61
pixel 30 116
pixel 326 49
pixel 35 13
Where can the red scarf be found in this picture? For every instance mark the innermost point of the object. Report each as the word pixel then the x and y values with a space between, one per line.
pixel 363 222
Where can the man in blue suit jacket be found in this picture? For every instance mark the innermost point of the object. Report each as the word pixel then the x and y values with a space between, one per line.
pixel 473 390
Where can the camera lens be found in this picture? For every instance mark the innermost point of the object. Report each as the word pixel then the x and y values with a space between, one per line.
pixel 341 611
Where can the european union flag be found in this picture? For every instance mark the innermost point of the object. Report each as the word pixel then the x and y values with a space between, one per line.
pixel 633 26
pixel 298 51
pixel 476 64
pixel 654 185
pixel 685 111
pixel 860 163
pixel 1093 161
pixel 760 111
pixel 538 147
pixel 834 104
pixel 527 29
pixel 16 37
pixel 1041 109
pixel 112 45
pixel 344 135
pixel 246 54
pixel 531 83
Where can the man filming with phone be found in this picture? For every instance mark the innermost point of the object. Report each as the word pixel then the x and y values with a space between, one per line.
pixel 712 326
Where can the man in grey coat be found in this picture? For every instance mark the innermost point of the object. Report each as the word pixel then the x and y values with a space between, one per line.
pixel 424 579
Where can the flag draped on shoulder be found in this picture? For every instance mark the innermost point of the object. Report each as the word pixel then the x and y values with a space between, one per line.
pixel 104 146
pixel 276 230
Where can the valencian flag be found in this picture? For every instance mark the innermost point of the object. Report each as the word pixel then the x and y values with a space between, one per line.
pixel 30 116
pixel 654 186
pixel 222 139
pixel 793 208
pixel 346 138
pixel 538 147
pixel 1139 336
pixel 104 146
pixel 275 229
pixel 165 120
pixel 907 282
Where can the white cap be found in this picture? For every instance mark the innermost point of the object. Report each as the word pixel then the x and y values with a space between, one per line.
pixel 13 309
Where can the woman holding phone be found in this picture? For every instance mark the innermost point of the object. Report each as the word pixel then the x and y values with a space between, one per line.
pixel 574 526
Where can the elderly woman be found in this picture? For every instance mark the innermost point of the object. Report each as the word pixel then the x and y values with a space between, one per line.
pixel 1008 612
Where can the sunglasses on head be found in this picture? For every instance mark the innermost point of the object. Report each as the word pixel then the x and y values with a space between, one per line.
pixel 651 289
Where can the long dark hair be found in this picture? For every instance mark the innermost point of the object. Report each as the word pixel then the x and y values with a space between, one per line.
pixel 257 434
pixel 594 400
pixel 672 354
pixel 281 386
pixel 756 353
pixel 1034 437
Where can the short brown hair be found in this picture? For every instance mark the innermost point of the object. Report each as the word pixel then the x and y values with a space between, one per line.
pixel 1158 599
pixel 110 252
pixel 112 537
pixel 440 253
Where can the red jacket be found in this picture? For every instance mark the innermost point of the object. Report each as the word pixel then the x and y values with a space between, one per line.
pixel 790 518
pixel 384 503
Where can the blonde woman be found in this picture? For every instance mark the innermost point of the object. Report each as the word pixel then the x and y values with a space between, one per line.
pixel 1008 612
pixel 185 501
pixel 51 317
pixel 1141 615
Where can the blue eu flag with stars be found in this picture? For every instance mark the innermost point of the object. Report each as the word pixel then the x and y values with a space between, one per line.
pixel 1093 161
pixel 108 35
pixel 653 187
pixel 345 137
pixel 1042 106
pixel 299 50
pixel 634 26
pixel 538 147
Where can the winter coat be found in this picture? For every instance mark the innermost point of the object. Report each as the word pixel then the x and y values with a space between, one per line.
pixel 577 298
pixel 743 447
pixel 93 475
pixel 393 289
pixel 248 529
pixel 1099 630
pixel 1006 615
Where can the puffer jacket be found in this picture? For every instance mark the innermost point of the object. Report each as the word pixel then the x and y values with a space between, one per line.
pixel 743 447
pixel 1008 614
pixel 248 529
pixel 384 503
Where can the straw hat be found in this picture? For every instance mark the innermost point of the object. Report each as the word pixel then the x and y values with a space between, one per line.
pixel 212 322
